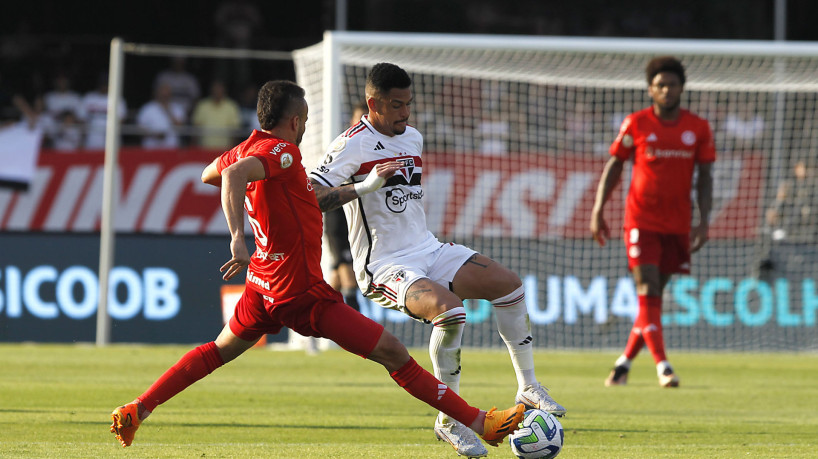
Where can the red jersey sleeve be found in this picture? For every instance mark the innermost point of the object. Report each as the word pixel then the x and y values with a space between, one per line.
pixel 227 158
pixel 276 156
pixel 623 146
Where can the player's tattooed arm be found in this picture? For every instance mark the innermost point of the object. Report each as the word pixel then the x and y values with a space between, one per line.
pixel 331 198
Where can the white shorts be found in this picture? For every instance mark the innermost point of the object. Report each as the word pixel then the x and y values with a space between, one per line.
pixel 390 281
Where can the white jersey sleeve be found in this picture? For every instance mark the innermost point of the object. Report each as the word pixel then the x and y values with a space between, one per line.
pixel 340 163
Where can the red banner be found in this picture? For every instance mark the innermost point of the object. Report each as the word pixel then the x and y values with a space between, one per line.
pixel 541 196
pixel 155 192
pixel 532 196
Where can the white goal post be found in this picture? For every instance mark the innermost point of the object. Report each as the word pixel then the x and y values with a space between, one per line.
pixel 516 132
pixel 116 75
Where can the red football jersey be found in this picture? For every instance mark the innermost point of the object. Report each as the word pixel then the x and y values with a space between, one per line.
pixel 285 218
pixel 664 157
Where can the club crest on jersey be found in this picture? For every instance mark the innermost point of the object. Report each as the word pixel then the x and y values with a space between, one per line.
pixel 688 137
pixel 399 276
pixel 339 144
pixel 627 141
pixel 286 160
pixel 408 168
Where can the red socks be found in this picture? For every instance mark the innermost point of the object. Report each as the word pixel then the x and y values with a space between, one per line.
pixel 647 329
pixel 426 388
pixel 192 367
pixel 202 360
pixel 651 325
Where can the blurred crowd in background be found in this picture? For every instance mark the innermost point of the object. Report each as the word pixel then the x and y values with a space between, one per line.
pixel 55 54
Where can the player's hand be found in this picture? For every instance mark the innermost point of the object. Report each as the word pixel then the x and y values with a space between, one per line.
pixel 387 170
pixel 698 236
pixel 240 260
pixel 599 229
pixel 377 177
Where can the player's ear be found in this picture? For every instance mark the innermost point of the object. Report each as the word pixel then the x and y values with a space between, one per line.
pixel 371 103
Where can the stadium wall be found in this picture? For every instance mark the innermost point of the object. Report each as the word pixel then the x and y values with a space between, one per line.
pixel 166 285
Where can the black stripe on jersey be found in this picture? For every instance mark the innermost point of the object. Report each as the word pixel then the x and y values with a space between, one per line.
pixel 399 179
pixel 353 130
pixel 356 129
pixel 369 249
pixel 313 174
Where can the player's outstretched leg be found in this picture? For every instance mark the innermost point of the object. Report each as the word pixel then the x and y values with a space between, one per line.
pixel 126 419
pixel 499 424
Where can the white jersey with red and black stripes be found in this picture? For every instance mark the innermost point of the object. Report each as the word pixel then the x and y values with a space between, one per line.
pixel 388 223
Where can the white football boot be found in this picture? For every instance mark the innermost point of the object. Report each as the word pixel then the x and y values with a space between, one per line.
pixel 536 396
pixel 463 440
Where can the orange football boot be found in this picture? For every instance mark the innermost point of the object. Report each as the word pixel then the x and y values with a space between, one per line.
pixel 126 421
pixel 499 424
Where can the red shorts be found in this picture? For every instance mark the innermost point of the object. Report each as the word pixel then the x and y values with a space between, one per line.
pixel 670 252
pixel 320 312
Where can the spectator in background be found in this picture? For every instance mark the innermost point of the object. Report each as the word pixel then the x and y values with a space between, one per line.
pixel 93 111
pixel 794 214
pixel 65 132
pixel 61 98
pixel 218 117
pixel 184 87
pixel 159 118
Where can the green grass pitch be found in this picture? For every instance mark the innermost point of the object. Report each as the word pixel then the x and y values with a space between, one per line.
pixel 55 401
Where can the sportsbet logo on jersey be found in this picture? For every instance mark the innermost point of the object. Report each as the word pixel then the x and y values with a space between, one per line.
pixel 396 199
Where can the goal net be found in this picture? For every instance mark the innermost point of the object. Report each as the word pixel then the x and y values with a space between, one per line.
pixel 516 134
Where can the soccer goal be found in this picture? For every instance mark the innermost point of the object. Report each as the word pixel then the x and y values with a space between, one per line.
pixel 516 134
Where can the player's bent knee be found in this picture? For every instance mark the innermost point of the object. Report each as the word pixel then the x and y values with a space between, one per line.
pixel 507 284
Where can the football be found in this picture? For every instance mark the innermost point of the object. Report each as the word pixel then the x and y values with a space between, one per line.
pixel 539 436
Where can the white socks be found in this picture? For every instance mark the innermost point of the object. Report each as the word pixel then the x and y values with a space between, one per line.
pixel 623 361
pixel 662 366
pixel 444 348
pixel 515 329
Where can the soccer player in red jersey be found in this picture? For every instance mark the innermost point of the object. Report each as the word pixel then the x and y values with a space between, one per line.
pixel 666 144
pixel 285 285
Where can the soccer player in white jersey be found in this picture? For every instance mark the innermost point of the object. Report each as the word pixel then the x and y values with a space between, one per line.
pixel 374 171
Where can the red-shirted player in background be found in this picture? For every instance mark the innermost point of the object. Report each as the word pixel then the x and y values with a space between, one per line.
pixel 666 144
pixel 285 285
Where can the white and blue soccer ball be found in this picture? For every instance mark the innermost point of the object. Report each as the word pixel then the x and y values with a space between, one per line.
pixel 539 436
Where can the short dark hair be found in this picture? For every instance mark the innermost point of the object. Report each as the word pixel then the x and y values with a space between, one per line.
pixel 664 64
pixel 276 101
pixel 385 76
